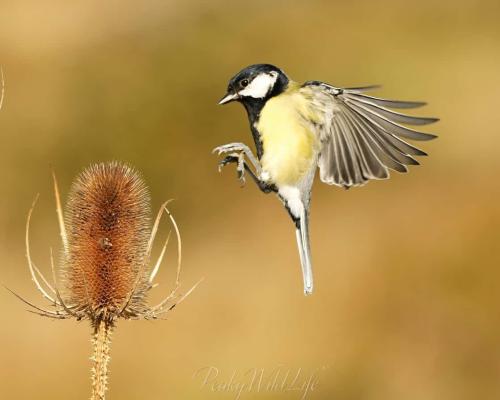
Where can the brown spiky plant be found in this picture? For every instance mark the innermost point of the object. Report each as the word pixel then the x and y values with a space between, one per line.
pixel 105 271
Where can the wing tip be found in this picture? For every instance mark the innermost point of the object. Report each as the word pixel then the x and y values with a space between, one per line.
pixel 432 120
pixel 426 137
pixel 361 89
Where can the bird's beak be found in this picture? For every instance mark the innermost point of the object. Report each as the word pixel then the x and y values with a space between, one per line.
pixel 229 97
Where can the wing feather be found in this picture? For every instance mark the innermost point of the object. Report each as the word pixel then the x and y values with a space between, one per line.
pixel 385 156
pixel 377 169
pixel 388 125
pixel 358 164
pixel 391 115
pixel 384 144
pixel 386 103
pixel 362 138
pixel 366 156
pixel 340 157
pixel 353 150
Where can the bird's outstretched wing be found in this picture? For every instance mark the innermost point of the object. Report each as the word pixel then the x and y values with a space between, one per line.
pixel 360 137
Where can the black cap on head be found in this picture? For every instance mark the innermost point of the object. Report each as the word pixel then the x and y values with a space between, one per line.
pixel 257 82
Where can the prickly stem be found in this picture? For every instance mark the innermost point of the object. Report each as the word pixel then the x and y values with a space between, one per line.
pixel 101 341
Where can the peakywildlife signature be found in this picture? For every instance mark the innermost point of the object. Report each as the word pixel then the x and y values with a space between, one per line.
pixel 280 379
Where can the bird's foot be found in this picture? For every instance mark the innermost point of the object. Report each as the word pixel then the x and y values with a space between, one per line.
pixel 232 147
pixel 240 148
pixel 238 158
pixel 237 153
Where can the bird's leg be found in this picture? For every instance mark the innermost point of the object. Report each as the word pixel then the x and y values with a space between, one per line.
pixel 237 153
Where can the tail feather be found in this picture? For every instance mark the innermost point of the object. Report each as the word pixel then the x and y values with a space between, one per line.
pixel 302 234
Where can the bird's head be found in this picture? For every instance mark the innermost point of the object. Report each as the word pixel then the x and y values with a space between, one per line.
pixel 256 83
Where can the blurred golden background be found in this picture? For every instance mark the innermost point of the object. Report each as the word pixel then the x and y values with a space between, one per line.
pixel 407 270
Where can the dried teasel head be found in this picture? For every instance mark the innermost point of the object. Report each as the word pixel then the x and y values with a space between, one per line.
pixel 108 227
pixel 107 243
pixel 106 272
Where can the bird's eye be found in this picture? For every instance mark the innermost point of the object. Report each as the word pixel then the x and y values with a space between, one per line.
pixel 244 83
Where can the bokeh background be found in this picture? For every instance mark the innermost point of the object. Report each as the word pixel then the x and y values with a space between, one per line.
pixel 407 270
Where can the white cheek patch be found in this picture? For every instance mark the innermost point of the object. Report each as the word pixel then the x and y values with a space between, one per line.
pixel 260 86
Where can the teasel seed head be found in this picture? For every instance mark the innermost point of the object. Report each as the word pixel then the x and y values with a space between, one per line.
pixel 108 225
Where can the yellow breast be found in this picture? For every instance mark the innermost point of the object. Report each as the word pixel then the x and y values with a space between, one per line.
pixel 290 146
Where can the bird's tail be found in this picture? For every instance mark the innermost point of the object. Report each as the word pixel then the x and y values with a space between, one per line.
pixel 302 234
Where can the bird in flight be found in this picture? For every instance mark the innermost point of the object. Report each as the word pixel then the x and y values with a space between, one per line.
pixel 350 136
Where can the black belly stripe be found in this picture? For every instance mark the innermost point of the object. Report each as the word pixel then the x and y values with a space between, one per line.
pixel 254 107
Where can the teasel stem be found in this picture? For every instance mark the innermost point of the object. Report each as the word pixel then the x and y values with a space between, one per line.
pixel 100 358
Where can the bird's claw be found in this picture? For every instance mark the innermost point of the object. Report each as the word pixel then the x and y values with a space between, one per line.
pixel 238 158
pixel 240 169
pixel 225 161
pixel 231 147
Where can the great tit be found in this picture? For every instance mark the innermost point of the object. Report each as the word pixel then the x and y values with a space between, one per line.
pixel 350 136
